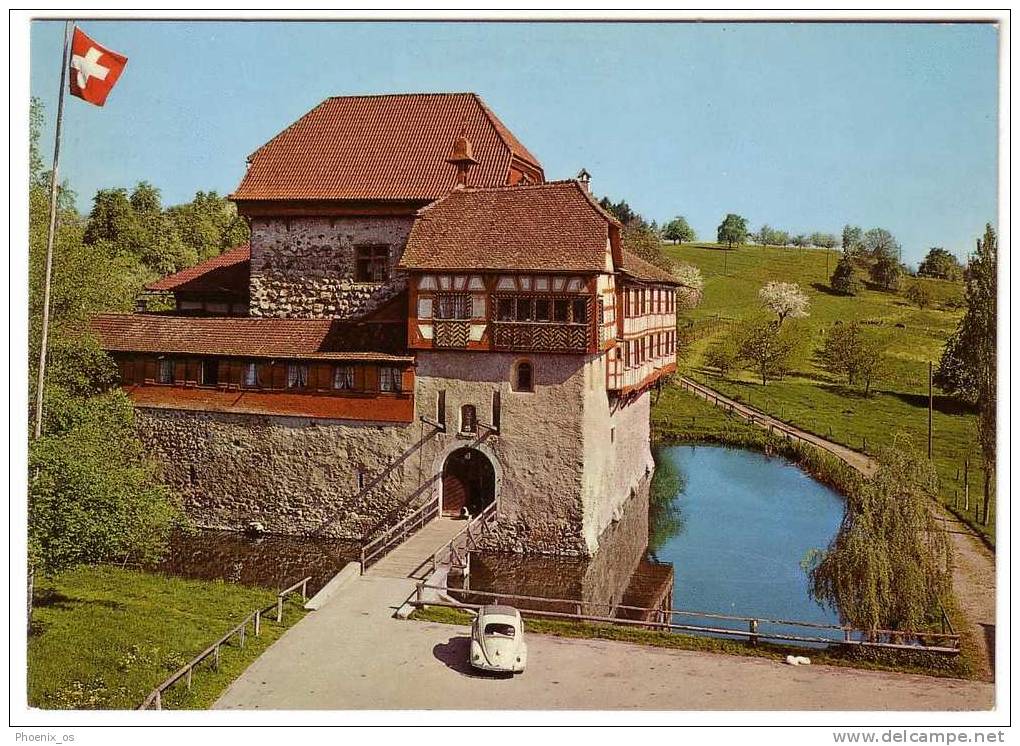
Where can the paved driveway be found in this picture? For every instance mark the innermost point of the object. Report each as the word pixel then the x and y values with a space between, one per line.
pixel 352 654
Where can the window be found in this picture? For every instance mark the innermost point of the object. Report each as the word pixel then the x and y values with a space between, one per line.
pixel 372 263
pixel 389 379
pixel 165 374
pixel 250 375
pixel 580 311
pixel 343 377
pixel 297 375
pixel 524 377
pixel 468 419
pixel 452 306
pixel 208 372
pixel 561 310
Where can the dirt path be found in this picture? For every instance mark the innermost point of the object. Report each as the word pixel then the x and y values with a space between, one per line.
pixel 352 654
pixel 973 562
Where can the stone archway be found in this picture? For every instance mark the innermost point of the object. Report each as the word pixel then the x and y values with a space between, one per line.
pixel 468 481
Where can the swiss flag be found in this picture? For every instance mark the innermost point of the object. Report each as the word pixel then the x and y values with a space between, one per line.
pixel 94 69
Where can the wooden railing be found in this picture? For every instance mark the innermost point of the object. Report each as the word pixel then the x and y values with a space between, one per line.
pixel 665 619
pixel 155 699
pixel 772 424
pixel 455 552
pixel 375 549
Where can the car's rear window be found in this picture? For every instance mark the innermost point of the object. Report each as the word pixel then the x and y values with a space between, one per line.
pixel 499 630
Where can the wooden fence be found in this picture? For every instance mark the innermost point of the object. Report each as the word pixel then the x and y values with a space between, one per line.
pixel 766 422
pixel 155 699
pixel 947 641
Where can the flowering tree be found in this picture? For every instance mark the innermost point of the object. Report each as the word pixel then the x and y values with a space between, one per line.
pixel 786 299
pixel 689 294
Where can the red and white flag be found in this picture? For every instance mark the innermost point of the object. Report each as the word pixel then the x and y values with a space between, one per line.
pixel 94 69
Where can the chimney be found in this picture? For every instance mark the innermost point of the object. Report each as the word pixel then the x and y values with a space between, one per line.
pixel 584 178
pixel 461 157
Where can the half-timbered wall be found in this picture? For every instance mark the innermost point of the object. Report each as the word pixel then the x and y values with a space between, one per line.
pixel 505 312
pixel 646 347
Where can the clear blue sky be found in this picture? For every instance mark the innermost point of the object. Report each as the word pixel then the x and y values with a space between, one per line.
pixel 805 126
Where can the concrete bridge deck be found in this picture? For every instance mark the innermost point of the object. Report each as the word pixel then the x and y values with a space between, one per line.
pixel 412 558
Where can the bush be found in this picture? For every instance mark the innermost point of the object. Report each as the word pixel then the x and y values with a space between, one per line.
pixel 721 357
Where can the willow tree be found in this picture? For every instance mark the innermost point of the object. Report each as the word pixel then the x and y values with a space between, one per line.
pixel 889 566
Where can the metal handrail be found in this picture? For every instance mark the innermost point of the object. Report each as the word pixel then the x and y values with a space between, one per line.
pixel 373 549
pixel 155 698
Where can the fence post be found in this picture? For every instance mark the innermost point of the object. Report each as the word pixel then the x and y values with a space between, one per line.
pixel 279 609
pixel 752 628
pixel 419 594
pixel 258 622
pixel 188 679
pixel 159 700
pixel 244 627
pixel 304 589
pixel 216 658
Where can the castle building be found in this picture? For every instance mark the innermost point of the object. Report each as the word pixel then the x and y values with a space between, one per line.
pixel 419 315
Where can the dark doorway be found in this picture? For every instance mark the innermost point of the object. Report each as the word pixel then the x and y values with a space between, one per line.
pixel 469 481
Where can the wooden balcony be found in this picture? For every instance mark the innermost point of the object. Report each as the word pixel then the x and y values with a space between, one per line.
pixel 539 336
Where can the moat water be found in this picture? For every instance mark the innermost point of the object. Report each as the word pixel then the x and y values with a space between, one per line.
pixel 737 529
pixel 718 530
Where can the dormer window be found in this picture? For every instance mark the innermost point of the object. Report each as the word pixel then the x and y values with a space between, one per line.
pixel 372 263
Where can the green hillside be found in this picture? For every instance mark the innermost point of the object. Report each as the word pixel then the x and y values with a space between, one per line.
pixel 810 397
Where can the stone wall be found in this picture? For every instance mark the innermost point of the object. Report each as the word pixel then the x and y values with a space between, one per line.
pixel 305 267
pixel 561 480
pixel 617 452
pixel 538 457
pixel 293 475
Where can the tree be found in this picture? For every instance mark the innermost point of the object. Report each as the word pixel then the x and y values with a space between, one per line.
pixel 722 357
pixel 844 279
pixel 677 230
pixel 919 295
pixel 785 299
pixel 852 240
pixel 878 243
pixel 968 365
pixel 691 289
pixel 849 352
pixel 886 271
pixel 780 238
pixel 92 495
pixel 823 240
pixel 940 264
pixel 622 212
pixel 766 347
pixel 768 236
pixel 640 240
pixel 801 241
pixel 889 566
pixel 732 230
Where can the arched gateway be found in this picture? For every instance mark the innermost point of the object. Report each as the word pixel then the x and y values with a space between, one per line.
pixel 469 480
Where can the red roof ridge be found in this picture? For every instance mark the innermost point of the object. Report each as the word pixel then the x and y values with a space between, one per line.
pixel 549 185
pixel 516 146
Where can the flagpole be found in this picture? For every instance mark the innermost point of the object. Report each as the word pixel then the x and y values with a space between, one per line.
pixel 51 234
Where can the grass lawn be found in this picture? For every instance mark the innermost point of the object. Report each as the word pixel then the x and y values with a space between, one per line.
pixel 809 397
pixel 104 637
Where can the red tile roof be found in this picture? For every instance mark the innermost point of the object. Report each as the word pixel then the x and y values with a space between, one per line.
pixel 226 273
pixel 555 226
pixel 329 339
pixel 636 267
pixel 398 408
pixel 389 147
